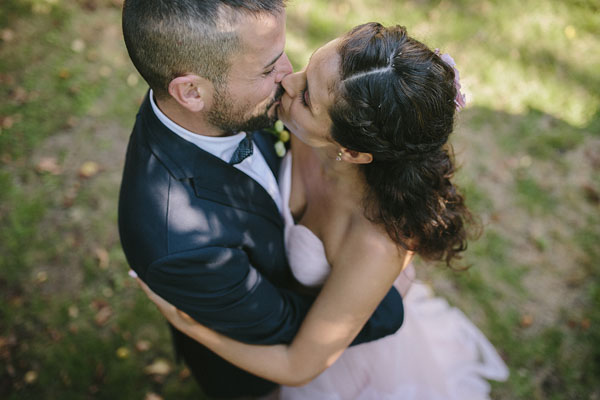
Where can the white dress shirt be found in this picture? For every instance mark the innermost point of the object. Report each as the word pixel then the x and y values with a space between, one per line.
pixel 223 147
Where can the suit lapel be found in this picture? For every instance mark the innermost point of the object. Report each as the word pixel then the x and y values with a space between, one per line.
pixel 265 142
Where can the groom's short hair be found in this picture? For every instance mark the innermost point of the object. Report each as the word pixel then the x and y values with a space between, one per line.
pixel 170 38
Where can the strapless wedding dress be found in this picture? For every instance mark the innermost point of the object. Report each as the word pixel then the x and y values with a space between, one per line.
pixel 437 354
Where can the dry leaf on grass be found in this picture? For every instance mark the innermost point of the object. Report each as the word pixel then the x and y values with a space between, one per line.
pixel 526 320
pixel 30 377
pixel 142 345
pixel 152 396
pixel 123 352
pixel 103 315
pixel 49 165
pixel 160 366
pixel 89 169
pixel 102 256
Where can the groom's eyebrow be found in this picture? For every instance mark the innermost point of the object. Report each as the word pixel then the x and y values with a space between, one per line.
pixel 274 60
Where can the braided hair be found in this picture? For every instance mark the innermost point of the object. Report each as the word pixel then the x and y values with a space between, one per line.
pixel 395 100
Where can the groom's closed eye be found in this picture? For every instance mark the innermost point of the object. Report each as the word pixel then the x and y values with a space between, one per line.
pixel 270 67
pixel 269 72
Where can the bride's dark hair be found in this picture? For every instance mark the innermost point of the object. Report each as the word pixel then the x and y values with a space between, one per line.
pixel 395 100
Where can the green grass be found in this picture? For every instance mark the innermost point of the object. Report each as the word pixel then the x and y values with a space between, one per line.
pixel 527 144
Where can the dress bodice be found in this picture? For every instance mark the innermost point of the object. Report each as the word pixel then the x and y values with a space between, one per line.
pixel 305 251
pixel 437 355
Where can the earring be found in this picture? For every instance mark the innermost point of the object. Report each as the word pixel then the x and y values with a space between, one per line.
pixel 339 156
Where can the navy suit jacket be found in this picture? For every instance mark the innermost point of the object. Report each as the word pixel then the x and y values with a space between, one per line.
pixel 209 239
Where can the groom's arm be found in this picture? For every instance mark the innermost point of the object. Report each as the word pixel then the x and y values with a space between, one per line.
pixel 219 288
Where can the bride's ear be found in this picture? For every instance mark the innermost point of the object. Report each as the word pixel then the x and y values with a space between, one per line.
pixel 355 157
pixel 192 92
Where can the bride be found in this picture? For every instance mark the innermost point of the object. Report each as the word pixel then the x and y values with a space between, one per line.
pixel 368 185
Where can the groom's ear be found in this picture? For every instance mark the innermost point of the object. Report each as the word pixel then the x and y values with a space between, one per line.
pixel 192 92
pixel 356 157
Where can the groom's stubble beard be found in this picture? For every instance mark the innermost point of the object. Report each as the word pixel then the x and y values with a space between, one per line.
pixel 230 121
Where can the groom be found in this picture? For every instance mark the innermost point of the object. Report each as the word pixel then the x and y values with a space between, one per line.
pixel 199 209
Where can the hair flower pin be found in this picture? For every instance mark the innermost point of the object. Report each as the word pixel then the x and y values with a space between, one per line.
pixel 460 100
pixel 282 134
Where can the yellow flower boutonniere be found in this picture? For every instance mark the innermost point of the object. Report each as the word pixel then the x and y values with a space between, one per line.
pixel 282 134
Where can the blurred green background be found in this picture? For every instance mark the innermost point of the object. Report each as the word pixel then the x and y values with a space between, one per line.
pixel 74 326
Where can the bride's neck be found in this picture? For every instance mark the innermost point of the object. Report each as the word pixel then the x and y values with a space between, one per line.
pixel 345 180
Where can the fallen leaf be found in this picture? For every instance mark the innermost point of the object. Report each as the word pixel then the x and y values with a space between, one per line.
pixel 141 345
pixel 73 311
pixel 184 374
pixel 152 396
pixel 64 73
pixel 72 121
pixel 122 352
pixel 77 45
pixel 6 79
pixel 30 377
pixel 41 277
pixel 7 122
pixel 89 169
pixel 49 165
pixel 19 95
pixel 97 304
pixel 585 324
pixel 526 320
pixel 160 366
pixel 7 35
pixel 103 315
pixel 102 256
pixel 132 80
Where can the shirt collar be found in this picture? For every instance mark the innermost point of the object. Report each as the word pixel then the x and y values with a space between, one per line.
pixel 221 146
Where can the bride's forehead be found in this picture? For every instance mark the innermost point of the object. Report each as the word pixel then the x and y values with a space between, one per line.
pixel 324 63
pixel 325 52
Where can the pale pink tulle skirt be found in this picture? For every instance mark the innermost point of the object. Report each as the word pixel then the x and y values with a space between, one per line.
pixel 437 354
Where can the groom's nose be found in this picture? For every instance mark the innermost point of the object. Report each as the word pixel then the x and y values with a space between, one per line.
pixel 284 68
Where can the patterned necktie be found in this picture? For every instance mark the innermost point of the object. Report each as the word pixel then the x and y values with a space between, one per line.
pixel 243 151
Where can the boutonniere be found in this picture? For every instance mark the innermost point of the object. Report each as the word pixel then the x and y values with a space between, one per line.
pixel 282 134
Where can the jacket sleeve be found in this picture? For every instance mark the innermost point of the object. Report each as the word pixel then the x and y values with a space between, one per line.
pixel 219 288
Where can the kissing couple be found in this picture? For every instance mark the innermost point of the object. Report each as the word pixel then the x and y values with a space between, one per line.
pixel 269 268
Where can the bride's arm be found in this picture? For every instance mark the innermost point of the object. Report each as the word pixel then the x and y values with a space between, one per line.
pixel 362 275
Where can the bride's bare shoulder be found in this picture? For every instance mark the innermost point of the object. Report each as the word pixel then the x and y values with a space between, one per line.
pixel 367 244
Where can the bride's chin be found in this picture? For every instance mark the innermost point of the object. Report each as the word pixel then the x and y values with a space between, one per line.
pixel 282 115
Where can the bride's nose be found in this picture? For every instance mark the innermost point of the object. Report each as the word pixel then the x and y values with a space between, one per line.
pixel 292 83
